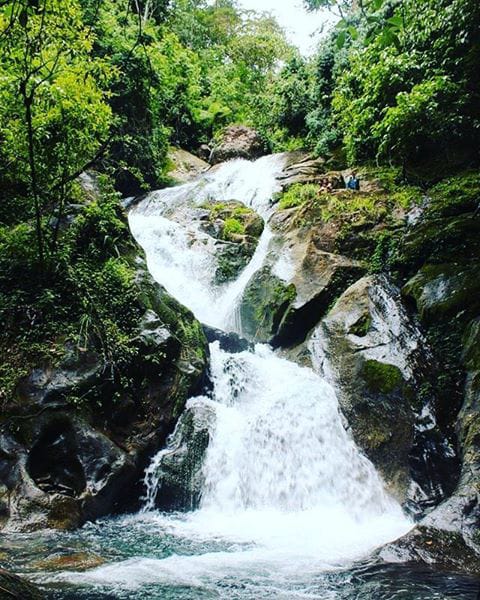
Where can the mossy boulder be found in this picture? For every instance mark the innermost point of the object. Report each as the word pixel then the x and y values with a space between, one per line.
pixel 441 291
pixel 237 229
pixel 303 255
pixel 439 240
pixel 376 356
pixel 264 304
pixel 180 475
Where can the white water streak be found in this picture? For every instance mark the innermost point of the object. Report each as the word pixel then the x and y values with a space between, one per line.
pixel 182 258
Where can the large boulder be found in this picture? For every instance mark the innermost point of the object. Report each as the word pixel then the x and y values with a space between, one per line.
pixel 378 360
pixel 238 141
pixel 264 303
pixel 183 166
pixel 293 291
pixel 74 441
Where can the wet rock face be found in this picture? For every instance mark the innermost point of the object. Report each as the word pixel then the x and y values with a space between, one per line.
pixel 377 358
pixel 179 478
pixel 238 141
pixel 445 549
pixel 264 304
pixel 441 291
pixel 74 444
pixel 12 586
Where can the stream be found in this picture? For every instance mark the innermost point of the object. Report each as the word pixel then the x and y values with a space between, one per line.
pixel 290 508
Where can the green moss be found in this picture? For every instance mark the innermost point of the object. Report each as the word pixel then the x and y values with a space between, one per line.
pixel 232 227
pixel 455 195
pixel 385 253
pixel 389 178
pixel 440 240
pixel 214 208
pixel 362 326
pixel 381 377
pixel 297 195
pixel 238 220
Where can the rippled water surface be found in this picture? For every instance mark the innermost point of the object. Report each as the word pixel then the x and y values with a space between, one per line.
pixel 144 560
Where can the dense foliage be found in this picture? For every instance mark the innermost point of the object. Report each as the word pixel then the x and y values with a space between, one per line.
pixel 112 84
pixel 106 84
pixel 397 81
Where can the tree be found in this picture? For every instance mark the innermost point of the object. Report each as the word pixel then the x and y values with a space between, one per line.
pixel 54 116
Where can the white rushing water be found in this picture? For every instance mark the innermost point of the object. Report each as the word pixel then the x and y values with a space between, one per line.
pixel 182 257
pixel 286 490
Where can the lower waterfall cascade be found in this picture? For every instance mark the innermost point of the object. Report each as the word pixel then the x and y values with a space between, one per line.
pixel 288 501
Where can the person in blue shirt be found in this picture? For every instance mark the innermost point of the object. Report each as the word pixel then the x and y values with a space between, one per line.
pixel 353 182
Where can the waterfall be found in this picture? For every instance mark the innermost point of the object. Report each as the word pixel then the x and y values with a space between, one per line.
pixel 280 443
pixel 284 489
pixel 279 493
pixel 182 257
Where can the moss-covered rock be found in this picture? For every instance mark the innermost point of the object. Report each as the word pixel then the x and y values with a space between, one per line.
pixel 381 377
pixel 372 350
pixel 443 291
pixel 440 241
pixel 180 475
pixel 238 229
pixel 264 303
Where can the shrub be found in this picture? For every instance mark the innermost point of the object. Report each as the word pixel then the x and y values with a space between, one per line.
pixel 232 227
pixel 297 195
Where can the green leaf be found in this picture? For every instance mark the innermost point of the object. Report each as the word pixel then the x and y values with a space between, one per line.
pixel 8 10
pixel 396 21
pixel 341 38
pixel 353 32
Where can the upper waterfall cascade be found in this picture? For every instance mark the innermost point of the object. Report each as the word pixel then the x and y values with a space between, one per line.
pixel 182 258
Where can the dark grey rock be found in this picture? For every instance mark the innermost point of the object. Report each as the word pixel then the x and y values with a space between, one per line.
pixel 229 342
